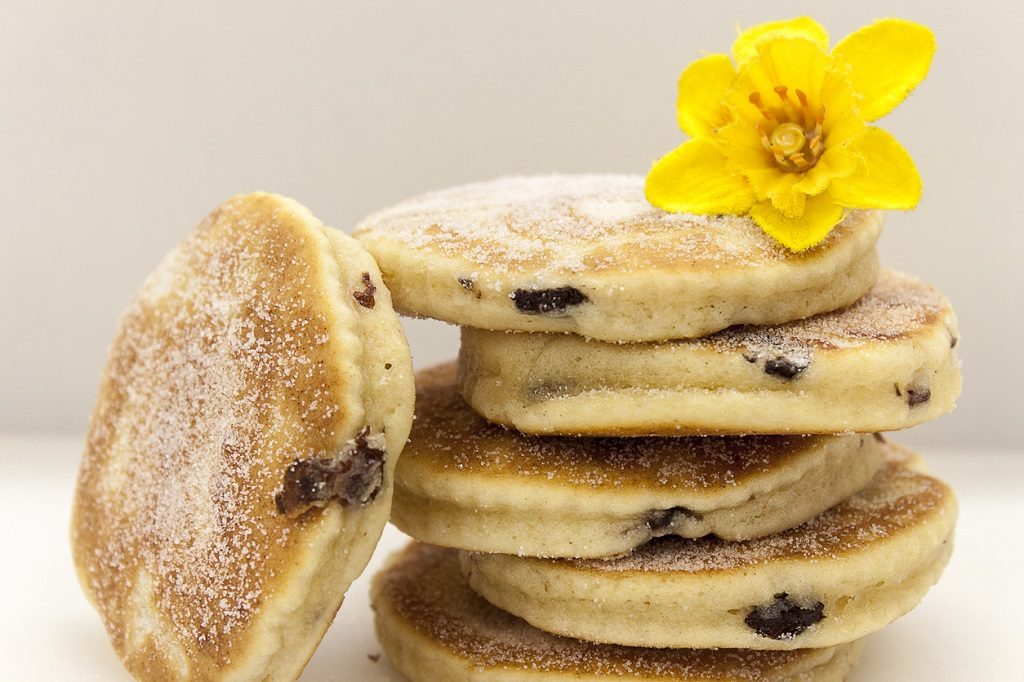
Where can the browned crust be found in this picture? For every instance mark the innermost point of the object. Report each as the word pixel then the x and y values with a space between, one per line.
pixel 231 362
pixel 423 586
pixel 542 224
pixel 448 433
pixel 897 307
pixel 900 499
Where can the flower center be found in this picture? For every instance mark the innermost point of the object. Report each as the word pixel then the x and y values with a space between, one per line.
pixel 790 131
pixel 789 138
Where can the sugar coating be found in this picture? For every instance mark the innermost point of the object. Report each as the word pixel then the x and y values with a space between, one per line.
pixel 588 255
pixel 568 224
pixel 222 372
pixel 897 306
pixel 898 499
pixel 426 589
pixel 448 434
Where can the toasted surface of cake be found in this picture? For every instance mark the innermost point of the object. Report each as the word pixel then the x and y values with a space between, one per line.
pixel 587 254
pixel 239 463
pixel 463 482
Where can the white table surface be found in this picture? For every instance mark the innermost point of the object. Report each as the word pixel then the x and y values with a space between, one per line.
pixel 969 628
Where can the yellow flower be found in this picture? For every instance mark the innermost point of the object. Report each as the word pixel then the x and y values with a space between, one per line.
pixel 782 135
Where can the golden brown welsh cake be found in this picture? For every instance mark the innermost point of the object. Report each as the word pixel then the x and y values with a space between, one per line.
pixel 887 362
pixel 830 581
pixel 239 463
pixel 463 482
pixel 434 628
pixel 587 254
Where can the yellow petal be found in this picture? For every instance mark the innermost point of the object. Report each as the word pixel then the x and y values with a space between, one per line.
pixel 837 162
pixel 694 178
pixel 742 145
pixel 766 181
pixel 839 99
pixel 793 62
pixel 765 178
pixel 748 157
pixel 844 129
pixel 821 214
pixel 886 60
pixel 745 46
pixel 702 88
pixel 885 176
pixel 790 202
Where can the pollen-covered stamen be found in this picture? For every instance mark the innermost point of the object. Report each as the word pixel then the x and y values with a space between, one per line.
pixel 788 106
pixel 791 131
pixel 805 108
pixel 755 99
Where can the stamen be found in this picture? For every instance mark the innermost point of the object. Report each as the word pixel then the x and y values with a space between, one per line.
pixel 792 131
pixel 755 99
pixel 805 107
pixel 788 106
pixel 780 156
pixel 800 162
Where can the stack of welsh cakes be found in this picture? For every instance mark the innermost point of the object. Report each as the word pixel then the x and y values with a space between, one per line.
pixel 658 456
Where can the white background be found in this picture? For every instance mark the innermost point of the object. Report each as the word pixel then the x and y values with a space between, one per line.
pixel 123 123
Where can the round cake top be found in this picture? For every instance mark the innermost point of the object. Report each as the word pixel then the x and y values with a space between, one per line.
pixel 555 225
pixel 587 254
